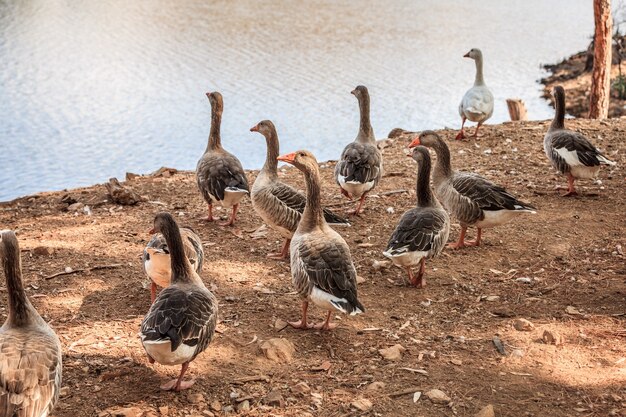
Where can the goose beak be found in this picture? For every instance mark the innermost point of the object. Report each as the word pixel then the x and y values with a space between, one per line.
pixel 289 158
pixel 208 95
pixel 409 155
pixel 254 128
pixel 353 92
pixel 152 231
pixel 416 142
pixel 466 55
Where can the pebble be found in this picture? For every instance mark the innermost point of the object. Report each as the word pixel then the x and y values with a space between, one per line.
pixel 75 207
pixel 195 398
pixel 390 210
pixel 552 338
pixel 301 388
pixel 393 353
pixel 437 396
pixel 361 404
pixel 164 410
pixel 43 251
pixel 278 349
pixel 416 396
pixel 64 392
pixel 375 386
pixel 486 411
pixel 215 406
pixel 523 325
pixel 275 399
pixel 243 406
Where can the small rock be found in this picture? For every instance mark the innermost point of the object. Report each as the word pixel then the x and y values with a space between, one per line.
pixel 164 410
pixel 393 353
pixel 301 388
pixel 361 404
pixel 486 411
pixel 68 269
pixel 243 406
pixel 380 265
pixel 280 324
pixel 274 399
pixel 525 280
pixel 228 409
pixel 278 349
pixel 552 338
pixel 121 194
pixel 390 210
pixel 437 396
pixel 216 406
pixel 64 391
pixel 195 398
pixel 416 396
pixel 360 279
pixel 523 325
pixel 75 207
pixel 517 353
pixel 492 298
pixel 573 311
pixel 131 176
pixel 456 362
pixel 376 386
pixel 43 251
pixel 127 412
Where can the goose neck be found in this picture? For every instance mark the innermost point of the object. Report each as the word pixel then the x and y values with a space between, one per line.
pixel 215 139
pixel 20 309
pixel 181 268
pixel 443 168
pixel 479 80
pixel 273 150
pixel 366 133
pixel 313 215
pixel 423 191
pixel 559 111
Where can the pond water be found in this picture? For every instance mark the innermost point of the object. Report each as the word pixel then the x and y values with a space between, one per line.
pixel 90 90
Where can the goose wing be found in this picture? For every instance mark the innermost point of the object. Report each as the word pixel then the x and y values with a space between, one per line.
pixel 482 194
pixel 419 230
pixel 31 373
pixel 325 262
pixel 573 148
pixel 184 315
pixel 360 162
pixel 218 172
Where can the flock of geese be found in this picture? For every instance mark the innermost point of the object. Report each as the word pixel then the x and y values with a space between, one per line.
pixel 182 318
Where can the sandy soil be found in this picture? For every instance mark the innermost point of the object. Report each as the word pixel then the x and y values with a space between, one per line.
pixel 563 269
pixel 570 73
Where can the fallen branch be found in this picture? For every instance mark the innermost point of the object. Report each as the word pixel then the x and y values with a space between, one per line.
pixel 253 378
pixel 386 193
pixel 404 392
pixel 76 271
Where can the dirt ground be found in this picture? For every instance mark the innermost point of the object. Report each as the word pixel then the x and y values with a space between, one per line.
pixel 570 73
pixel 563 269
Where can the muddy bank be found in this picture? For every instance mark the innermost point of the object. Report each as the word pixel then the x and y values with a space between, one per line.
pixel 562 269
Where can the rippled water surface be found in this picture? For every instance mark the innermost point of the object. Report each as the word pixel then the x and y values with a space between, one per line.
pixel 90 90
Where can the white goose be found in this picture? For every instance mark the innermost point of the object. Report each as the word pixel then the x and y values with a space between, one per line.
pixel 477 103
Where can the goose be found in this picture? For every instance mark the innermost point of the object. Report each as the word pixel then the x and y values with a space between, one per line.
pixel 360 167
pixel 472 199
pixel 219 174
pixel 477 103
pixel 423 231
pixel 321 265
pixel 278 204
pixel 30 351
pixel 181 321
pixel 570 153
pixel 156 258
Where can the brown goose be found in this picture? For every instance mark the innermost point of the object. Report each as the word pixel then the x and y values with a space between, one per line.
pixel 570 153
pixel 423 231
pixel 278 204
pixel 472 199
pixel 361 164
pixel 30 351
pixel 321 265
pixel 156 258
pixel 219 174
pixel 181 321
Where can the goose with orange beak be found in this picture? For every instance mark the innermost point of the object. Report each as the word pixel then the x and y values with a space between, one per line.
pixel 278 204
pixel 477 103
pixel 472 199
pixel 321 264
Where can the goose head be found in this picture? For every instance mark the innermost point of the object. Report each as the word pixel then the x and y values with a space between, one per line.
pixel 264 127
pixel 216 100
pixel 474 54
pixel 419 154
pixel 360 92
pixel 426 138
pixel 303 160
pixel 558 92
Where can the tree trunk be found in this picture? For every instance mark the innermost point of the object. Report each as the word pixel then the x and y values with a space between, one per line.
pixel 517 109
pixel 601 77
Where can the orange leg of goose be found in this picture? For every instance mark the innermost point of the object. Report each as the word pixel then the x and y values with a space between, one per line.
pixel 302 324
pixel 153 289
pixel 461 134
pixel 283 254
pixel 326 324
pixel 210 216
pixel 417 281
pixel 477 241
pixel 461 242
pixel 233 216
pixel 357 211
pixel 178 384
pixel 571 191
pixel 475 135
